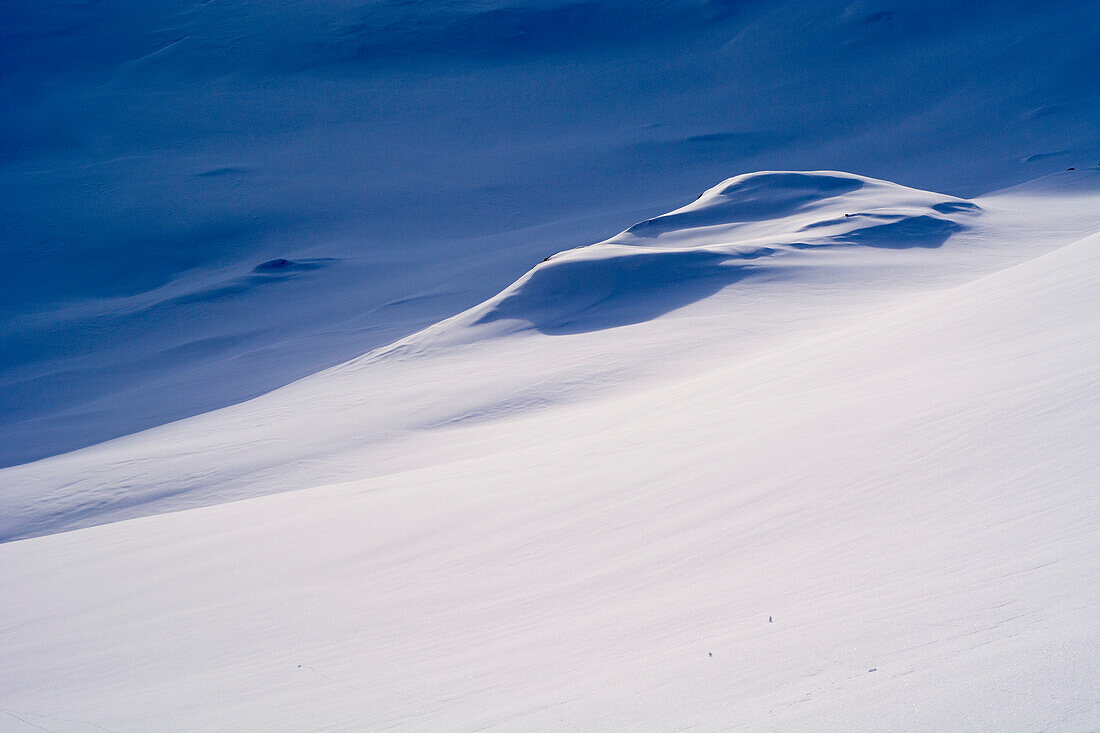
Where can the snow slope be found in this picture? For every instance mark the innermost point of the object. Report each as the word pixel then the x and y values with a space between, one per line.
pixel 853 489
pixel 836 249
pixel 391 444
pixel 415 157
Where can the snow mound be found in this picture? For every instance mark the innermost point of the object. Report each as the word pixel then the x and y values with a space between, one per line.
pixel 834 207
pixel 731 232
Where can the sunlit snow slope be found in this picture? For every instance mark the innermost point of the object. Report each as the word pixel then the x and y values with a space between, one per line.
pixel 407 160
pixel 816 451
pixel 330 399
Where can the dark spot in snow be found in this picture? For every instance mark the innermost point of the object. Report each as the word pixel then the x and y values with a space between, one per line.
pixel 873 669
pixel 281 264
pixel 276 264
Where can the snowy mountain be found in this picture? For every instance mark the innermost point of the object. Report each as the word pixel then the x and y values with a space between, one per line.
pixel 379 425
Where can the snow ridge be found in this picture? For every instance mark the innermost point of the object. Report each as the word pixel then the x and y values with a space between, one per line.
pixel 732 233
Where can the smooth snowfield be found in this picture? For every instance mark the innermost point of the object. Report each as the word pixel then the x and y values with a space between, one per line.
pixel 853 487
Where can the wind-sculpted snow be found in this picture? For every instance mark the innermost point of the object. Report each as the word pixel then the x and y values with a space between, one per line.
pixel 741 229
pixel 624 313
pixel 154 152
pixel 814 451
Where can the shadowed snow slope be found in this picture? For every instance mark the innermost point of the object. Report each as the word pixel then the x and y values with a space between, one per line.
pixel 628 314
pixel 865 500
pixel 426 154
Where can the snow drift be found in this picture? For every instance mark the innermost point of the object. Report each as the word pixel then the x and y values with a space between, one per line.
pixel 730 233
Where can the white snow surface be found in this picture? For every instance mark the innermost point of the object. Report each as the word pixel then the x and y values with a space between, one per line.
pixel 282 449
pixel 816 451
